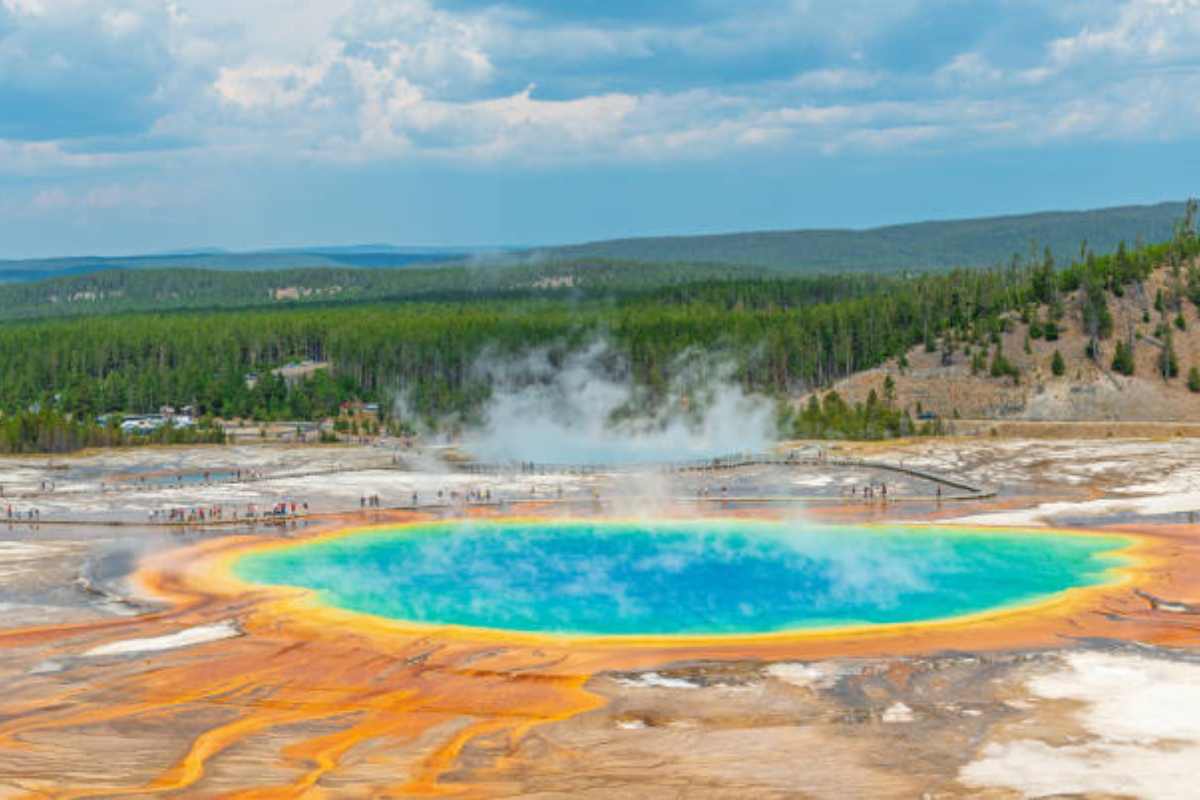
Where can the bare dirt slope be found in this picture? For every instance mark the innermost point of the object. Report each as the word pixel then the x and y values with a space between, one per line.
pixel 1088 390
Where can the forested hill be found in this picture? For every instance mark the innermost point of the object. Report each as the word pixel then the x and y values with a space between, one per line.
pixel 115 291
pixel 921 246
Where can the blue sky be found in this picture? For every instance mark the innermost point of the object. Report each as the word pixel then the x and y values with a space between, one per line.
pixel 148 125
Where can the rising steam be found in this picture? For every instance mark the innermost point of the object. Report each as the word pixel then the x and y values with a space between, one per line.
pixel 585 410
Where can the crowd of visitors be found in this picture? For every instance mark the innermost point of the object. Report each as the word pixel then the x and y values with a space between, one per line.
pixel 17 515
pixel 199 515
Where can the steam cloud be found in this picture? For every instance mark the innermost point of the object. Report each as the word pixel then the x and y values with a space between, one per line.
pixel 582 411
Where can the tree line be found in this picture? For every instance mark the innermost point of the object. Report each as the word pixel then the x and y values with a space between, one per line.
pixel 426 362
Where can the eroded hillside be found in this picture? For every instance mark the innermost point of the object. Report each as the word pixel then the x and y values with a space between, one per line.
pixel 956 380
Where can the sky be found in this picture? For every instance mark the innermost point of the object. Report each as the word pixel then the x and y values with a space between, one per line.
pixel 130 126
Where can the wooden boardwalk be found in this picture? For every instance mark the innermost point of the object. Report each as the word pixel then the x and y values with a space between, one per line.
pixel 729 464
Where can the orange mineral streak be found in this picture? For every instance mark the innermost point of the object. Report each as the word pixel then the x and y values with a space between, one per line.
pixel 352 703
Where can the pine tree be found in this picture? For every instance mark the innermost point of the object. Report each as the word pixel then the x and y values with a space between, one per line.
pixel 1168 361
pixel 1057 365
pixel 978 362
pixel 1123 359
pixel 1002 367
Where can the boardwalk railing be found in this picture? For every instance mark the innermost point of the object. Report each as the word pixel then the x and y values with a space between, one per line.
pixel 722 464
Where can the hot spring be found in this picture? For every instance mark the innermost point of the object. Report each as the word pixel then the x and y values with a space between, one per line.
pixel 712 577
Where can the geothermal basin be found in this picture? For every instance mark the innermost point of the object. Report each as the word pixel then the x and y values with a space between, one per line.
pixel 926 645
pixel 664 578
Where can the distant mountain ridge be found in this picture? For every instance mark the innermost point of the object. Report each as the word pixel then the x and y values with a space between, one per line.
pixel 364 256
pixel 981 242
pixel 922 246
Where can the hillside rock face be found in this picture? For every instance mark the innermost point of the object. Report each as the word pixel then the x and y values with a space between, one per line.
pixel 1089 389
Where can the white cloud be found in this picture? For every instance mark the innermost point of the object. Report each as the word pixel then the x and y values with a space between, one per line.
pixel 37 158
pixel 968 69
pixel 1147 31
pixel 407 79
pixel 139 195
pixel 50 200
pixel 121 23
pixel 268 86
pixel 30 8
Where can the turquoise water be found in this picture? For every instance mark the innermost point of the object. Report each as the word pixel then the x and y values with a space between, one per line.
pixel 711 577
